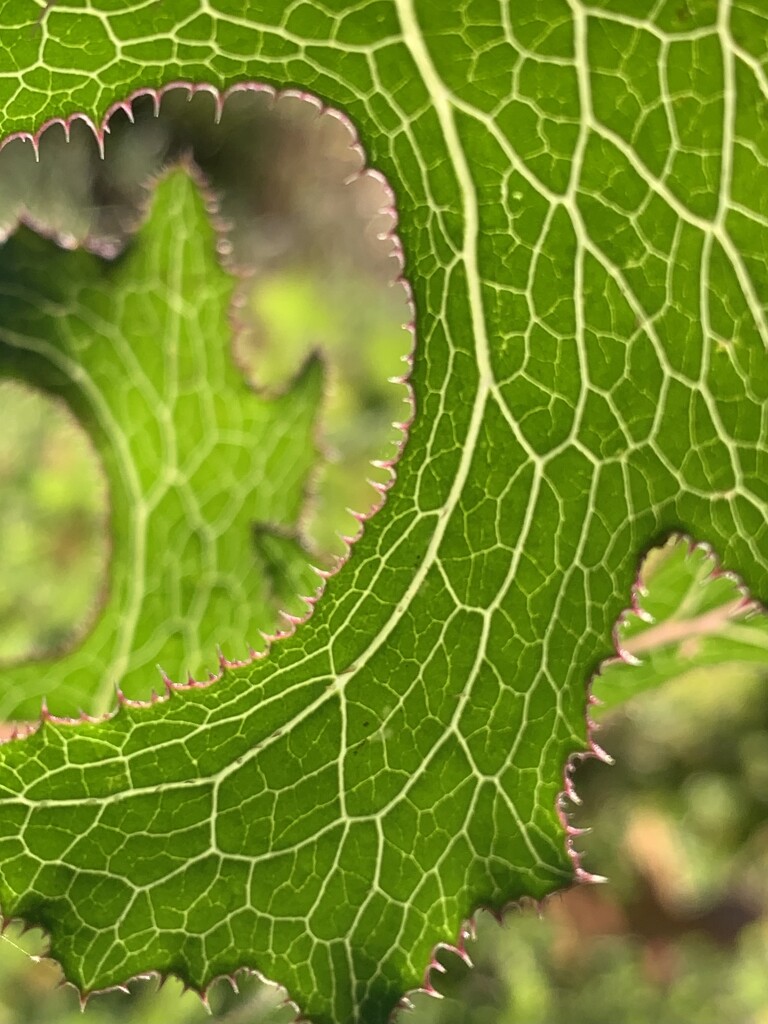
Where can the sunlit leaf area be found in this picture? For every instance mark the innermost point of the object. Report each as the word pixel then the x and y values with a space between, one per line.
pixel 678 823
pixel 383 507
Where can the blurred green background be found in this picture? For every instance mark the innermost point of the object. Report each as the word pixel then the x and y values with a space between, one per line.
pixel 679 824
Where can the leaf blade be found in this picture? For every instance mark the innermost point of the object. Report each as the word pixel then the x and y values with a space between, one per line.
pixel 601 431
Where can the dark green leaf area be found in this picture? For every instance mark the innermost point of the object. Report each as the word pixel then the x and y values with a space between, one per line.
pixel 140 349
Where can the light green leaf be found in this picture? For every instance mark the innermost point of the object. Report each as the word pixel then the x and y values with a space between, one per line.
pixel 581 199
pixel 689 615
pixel 141 351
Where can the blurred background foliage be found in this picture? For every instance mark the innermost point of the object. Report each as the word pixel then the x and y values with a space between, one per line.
pixel 679 824
pixel 53 525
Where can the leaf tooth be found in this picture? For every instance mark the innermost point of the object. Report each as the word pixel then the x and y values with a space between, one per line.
pixel 229 663
pixel 404 1004
pixel 126 106
pixel 381 491
pixel 572 830
pixel 268 639
pixel 292 620
pixel 346 539
pixel 387 463
pixel 361 517
pixel 168 684
pixel 629 658
pixel 466 931
pixel 588 878
pixel 569 791
pixel 598 752
pixel 324 574
pixel 35 140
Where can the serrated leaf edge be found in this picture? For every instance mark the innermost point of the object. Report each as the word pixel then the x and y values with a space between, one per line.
pixel 224 254
pixel 568 794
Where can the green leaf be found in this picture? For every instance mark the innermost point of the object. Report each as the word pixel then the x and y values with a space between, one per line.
pixel 140 350
pixel 689 615
pixel 581 200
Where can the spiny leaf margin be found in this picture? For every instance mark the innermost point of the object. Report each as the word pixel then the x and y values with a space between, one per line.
pixel 662 489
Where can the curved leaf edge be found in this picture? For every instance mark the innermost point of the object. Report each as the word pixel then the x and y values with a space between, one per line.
pixel 569 795
pixel 241 274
